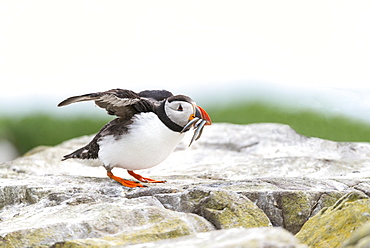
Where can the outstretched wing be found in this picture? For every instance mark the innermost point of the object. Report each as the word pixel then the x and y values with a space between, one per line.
pixel 122 103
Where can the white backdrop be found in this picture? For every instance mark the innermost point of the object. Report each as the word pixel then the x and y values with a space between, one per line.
pixel 53 49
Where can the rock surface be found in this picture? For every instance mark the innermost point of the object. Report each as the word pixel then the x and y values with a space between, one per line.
pixel 238 178
pixel 360 238
pixel 263 237
pixel 333 225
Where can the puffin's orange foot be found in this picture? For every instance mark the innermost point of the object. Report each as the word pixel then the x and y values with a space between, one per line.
pixel 126 183
pixel 143 179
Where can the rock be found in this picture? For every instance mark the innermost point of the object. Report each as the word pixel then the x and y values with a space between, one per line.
pixel 235 176
pixel 142 225
pixel 360 238
pixel 263 237
pixel 333 225
pixel 224 209
pixel 298 206
pixel 7 151
pixel 65 212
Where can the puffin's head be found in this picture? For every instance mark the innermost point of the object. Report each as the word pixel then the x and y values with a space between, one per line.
pixel 182 109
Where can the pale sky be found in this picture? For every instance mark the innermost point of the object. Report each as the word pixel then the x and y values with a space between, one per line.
pixel 54 49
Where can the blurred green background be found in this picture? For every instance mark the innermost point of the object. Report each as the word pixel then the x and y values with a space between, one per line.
pixel 29 131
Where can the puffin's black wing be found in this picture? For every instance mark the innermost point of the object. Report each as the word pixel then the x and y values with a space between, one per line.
pixel 122 103
pixel 158 95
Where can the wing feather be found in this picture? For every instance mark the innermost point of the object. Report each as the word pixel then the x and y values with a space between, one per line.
pixel 122 103
pixel 158 95
pixel 116 102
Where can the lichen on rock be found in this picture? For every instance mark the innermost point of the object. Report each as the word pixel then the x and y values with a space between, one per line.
pixel 333 225
pixel 360 238
pixel 224 209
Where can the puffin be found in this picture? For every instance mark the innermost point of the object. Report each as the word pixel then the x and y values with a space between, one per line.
pixel 149 126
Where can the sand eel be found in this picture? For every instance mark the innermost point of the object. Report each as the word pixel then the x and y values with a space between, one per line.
pixel 149 126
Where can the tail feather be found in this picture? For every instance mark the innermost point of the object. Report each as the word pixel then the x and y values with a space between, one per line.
pixel 82 153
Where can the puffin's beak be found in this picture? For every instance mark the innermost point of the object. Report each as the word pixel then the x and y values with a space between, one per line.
pixel 198 121
pixel 202 114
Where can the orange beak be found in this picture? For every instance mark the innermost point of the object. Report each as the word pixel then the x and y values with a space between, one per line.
pixel 202 114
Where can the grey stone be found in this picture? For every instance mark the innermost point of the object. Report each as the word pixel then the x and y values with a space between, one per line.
pixel 262 237
pixel 234 176
pixel 66 212
pixel 224 209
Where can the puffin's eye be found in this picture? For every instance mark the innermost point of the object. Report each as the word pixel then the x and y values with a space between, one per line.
pixel 179 108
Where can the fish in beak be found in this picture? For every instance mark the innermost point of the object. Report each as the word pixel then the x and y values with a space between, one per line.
pixel 197 120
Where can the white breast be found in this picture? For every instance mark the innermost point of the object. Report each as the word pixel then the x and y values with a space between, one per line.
pixel 147 143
